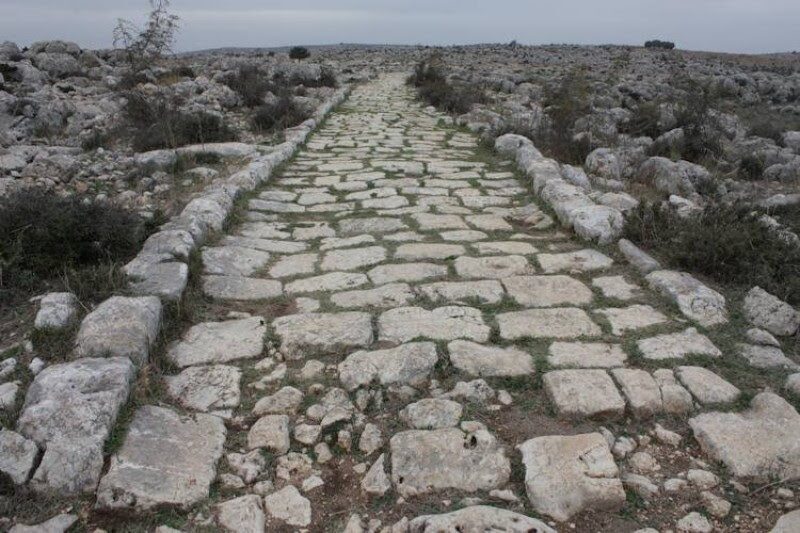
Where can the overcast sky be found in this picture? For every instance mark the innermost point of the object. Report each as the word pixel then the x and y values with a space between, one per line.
pixel 719 25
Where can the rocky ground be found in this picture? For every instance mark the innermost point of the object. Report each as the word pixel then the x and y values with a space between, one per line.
pixel 395 335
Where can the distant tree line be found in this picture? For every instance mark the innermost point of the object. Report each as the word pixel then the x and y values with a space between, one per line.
pixel 663 45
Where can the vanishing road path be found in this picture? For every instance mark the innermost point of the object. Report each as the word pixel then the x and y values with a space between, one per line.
pixel 392 326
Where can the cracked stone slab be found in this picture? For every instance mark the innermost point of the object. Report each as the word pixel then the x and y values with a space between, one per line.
pixel 166 460
pixel 488 291
pixel 641 391
pixel 581 261
pixel 219 342
pixel 677 346
pixel 759 443
pixel 492 267
pixel 439 251
pixel 265 245
pixel 206 388
pixel 583 393
pixel 560 323
pixel 432 413
pixel 768 312
pixel 409 363
pixel 547 291
pixel 385 296
pixel 359 226
pixel 443 323
pixel 233 260
pixel 353 258
pixel 586 355
pixel 568 475
pixel 406 272
pixel 294 265
pixel 309 333
pixel 695 300
pixel 440 459
pixel 707 387
pixel 623 319
pixel 333 281
pixel 240 288
pixel 482 361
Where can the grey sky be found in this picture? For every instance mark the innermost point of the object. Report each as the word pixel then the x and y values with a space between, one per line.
pixel 719 25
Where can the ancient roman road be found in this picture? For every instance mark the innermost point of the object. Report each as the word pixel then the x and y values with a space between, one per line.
pixel 394 327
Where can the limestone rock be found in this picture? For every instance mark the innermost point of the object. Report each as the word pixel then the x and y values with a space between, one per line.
pixel 566 475
pixel 17 456
pixel 583 393
pixel 166 459
pixel 443 323
pixel 308 333
pixel 284 402
pixel 479 519
pixel 788 523
pixel 432 413
pixel 586 355
pixel 289 506
pixel 559 323
pixel 478 360
pixel 57 310
pixel 270 432
pixel 241 515
pixel 219 342
pixel 766 311
pixel 233 260
pixel 695 300
pixel 492 267
pixel 641 391
pixel 239 288
pixel 706 386
pixel 407 364
pixel 677 346
pixel 58 524
pixel 376 481
pixel 547 291
pixel 206 388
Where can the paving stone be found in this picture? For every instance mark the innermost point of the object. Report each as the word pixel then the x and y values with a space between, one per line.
pixel 759 443
pixel 677 346
pixel 707 387
pixel 640 390
pixel 766 357
pixel 464 235
pixel 334 281
pixel 494 267
pixel 504 248
pixel 294 265
pixel 427 222
pixel 407 272
pixel 166 460
pixel 488 291
pixel 489 361
pixel 308 231
pixel 766 311
pixel 57 310
pixel 561 323
pixel 676 400
pixel 385 296
pixel 219 342
pixel 616 287
pixel 307 333
pixel 547 291
pixel 623 319
pixel 270 432
pixel 333 243
pixel 358 226
pixel 265 245
pixel 233 260
pixel 120 327
pixel 441 459
pixel 239 288
pixel 285 401
pixel 695 300
pixel 206 388
pixel 409 363
pixel 428 251
pixel 443 323
pixel 432 413
pixel 583 393
pixel 581 261
pixel 488 223
pixel 353 258
pixel 567 475
pixel 289 506
pixel 478 518
pixel 586 355
pixel 271 206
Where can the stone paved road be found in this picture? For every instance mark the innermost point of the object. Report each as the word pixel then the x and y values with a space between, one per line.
pixel 430 336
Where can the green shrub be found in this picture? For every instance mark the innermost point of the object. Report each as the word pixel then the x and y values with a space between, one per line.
pixel 644 121
pixel 701 136
pixel 769 129
pixel 277 115
pixel 433 87
pixel 42 235
pixel 250 84
pixel 157 122
pixel 726 243
pixel 566 102
pixel 299 52
pixel 751 167
pixel 661 45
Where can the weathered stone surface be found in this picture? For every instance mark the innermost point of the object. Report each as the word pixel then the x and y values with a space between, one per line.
pixel 482 361
pixel 586 355
pixel 788 523
pixel 547 291
pixel 57 310
pixel 479 519
pixel 241 515
pixel 166 459
pixel 675 399
pixel 492 267
pixel 294 265
pixel 58 524
pixel 641 391
pixel 289 506
pixel 677 346
pixel 766 357
pixel 581 261
pixel 233 260
pixel 206 388
pixel 353 258
pixel 759 443
pixel 120 327
pixel 376 482
pixel 583 393
pixel 408 272
pixel 634 317
pixel 443 323
pixel 432 413
pixel 566 475
pixel 558 323
pixel 157 276
pixel 486 291
pixel 385 296
pixel 17 456
pixel 440 251
pixel 270 432
pixel 219 342
pixel 707 387
pixel 766 311
pixel 358 226
pixel 334 281
pixel 616 287
pixel 695 300
pixel 241 288
pixel 440 459
pixel 407 364
pixel 285 401
pixel 322 332
pixel 636 257
pixel 70 409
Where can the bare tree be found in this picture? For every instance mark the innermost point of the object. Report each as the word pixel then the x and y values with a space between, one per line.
pixel 143 45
